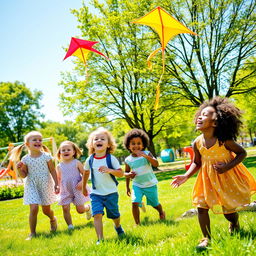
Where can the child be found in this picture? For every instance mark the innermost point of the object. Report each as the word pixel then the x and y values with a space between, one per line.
pixel 138 166
pixel 41 180
pixel 223 183
pixel 104 168
pixel 69 174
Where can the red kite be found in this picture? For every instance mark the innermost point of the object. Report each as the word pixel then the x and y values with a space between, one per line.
pixel 81 48
pixel 166 27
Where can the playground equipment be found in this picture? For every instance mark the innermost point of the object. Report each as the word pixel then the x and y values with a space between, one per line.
pixel 167 155
pixel 191 154
pixel 10 170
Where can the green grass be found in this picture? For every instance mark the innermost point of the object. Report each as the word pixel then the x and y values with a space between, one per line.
pixel 174 236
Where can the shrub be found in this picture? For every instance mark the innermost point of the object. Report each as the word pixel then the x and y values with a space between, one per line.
pixel 11 191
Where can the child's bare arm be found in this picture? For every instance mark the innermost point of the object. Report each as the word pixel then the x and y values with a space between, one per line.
pixel 240 156
pixel 84 182
pixel 194 167
pixel 54 176
pixel 22 170
pixel 128 176
pixel 149 157
pixel 116 172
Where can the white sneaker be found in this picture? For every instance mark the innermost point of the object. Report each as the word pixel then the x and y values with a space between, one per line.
pixel 88 213
pixel 70 227
pixel 143 208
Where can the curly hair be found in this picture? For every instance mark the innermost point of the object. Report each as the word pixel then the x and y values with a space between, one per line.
pixel 136 133
pixel 78 151
pixel 228 121
pixel 111 140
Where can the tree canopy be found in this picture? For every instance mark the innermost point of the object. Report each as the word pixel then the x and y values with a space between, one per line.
pixel 19 111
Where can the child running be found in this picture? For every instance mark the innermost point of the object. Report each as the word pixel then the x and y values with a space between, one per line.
pixel 70 171
pixel 104 168
pixel 138 166
pixel 41 182
pixel 223 184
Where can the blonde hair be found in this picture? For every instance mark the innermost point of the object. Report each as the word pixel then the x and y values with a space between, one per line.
pixel 78 151
pixel 111 141
pixel 16 152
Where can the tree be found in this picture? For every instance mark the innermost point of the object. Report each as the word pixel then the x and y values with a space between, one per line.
pixel 19 111
pixel 121 88
pixel 209 64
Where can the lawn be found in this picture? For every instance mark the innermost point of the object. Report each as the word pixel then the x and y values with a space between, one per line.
pixel 174 236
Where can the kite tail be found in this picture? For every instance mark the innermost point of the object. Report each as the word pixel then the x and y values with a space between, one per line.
pixel 159 82
pixel 152 54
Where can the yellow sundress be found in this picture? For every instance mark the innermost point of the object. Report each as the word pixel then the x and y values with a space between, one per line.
pixel 222 193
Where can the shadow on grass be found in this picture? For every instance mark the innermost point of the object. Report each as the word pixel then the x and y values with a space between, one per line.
pixel 251 233
pixel 250 161
pixel 130 239
pixel 66 231
pixel 147 222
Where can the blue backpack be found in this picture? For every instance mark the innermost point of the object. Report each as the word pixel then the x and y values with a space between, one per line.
pixel 109 164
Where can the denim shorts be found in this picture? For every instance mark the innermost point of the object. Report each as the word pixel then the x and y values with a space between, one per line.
pixel 110 202
pixel 150 193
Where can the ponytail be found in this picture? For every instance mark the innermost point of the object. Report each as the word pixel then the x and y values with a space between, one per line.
pixel 16 152
pixel 46 149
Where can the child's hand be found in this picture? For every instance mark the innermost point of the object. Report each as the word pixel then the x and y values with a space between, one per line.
pixel 140 153
pixel 220 167
pixel 130 175
pixel 57 189
pixel 128 191
pixel 85 192
pixel 104 169
pixel 178 180
pixel 20 165
pixel 79 185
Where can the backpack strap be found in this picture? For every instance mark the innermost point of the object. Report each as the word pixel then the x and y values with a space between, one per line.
pixel 110 166
pixel 92 174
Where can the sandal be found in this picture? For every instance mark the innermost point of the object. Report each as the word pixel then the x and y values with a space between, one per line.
pixel 30 237
pixel 162 216
pixel 203 244
pixel 53 224
pixel 233 228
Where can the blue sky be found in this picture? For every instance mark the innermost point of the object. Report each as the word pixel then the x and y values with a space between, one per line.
pixel 33 34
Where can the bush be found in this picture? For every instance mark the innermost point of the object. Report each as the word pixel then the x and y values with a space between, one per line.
pixel 11 191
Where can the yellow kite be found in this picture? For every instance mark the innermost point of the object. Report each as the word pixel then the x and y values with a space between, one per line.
pixel 166 27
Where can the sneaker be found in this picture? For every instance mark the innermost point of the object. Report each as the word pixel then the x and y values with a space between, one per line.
pixel 203 244
pixel 53 224
pixel 30 237
pixel 89 213
pixel 70 227
pixel 142 207
pixel 99 241
pixel 119 230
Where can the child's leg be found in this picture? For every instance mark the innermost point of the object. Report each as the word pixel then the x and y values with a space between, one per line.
pixel 204 221
pixel 66 214
pixel 49 212
pixel 159 208
pixel 33 218
pixel 136 213
pixel 234 222
pixel 98 225
pixel 117 222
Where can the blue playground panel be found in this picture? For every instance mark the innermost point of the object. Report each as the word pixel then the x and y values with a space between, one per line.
pixel 167 155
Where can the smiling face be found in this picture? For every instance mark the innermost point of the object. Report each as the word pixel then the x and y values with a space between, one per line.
pixel 34 143
pixel 100 143
pixel 136 145
pixel 67 152
pixel 206 119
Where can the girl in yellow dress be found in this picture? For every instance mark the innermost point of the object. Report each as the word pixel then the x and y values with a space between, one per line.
pixel 223 185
